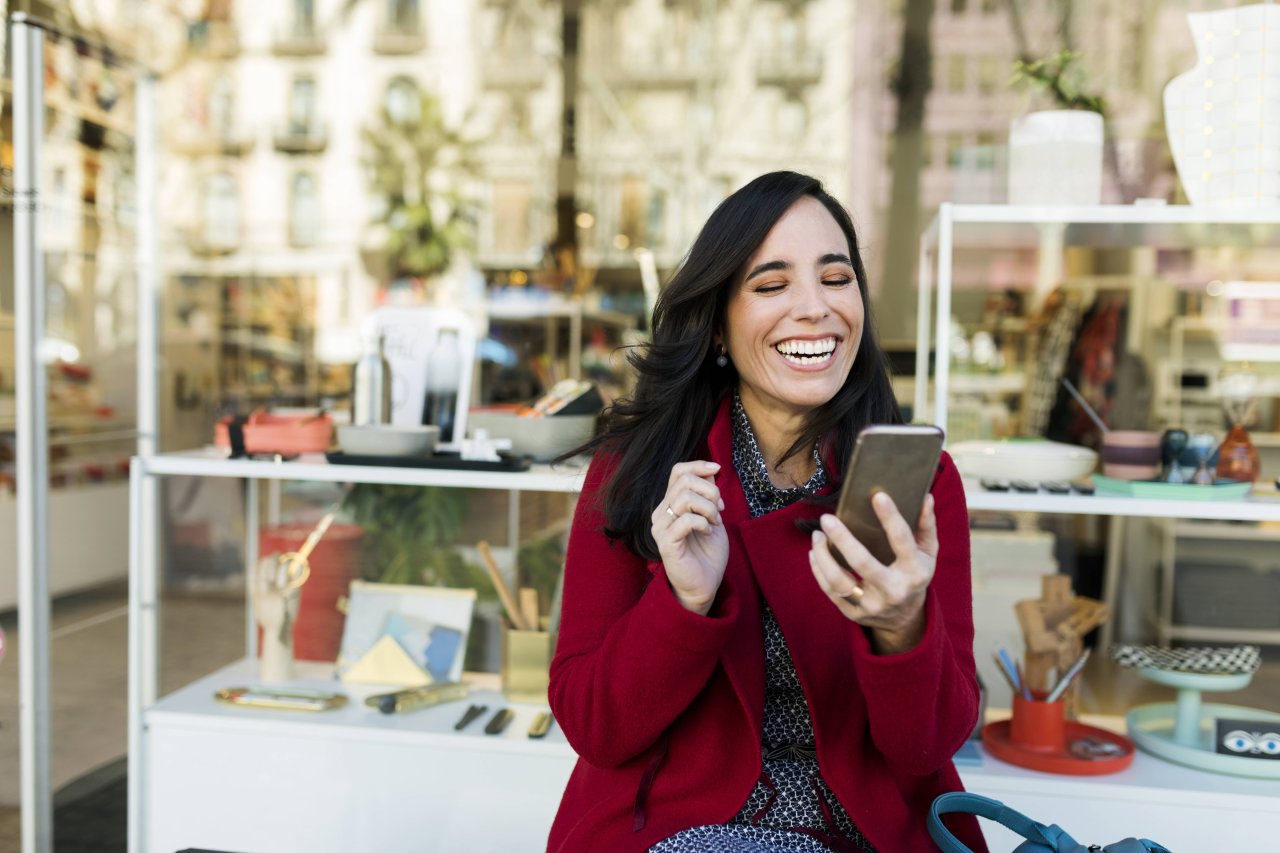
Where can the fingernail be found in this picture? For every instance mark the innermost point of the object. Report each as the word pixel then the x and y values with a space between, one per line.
pixel 881 500
pixel 715 465
pixel 816 538
pixel 722 504
pixel 827 520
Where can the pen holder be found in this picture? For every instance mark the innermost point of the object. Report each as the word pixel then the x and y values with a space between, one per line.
pixel 1038 725
pixel 526 664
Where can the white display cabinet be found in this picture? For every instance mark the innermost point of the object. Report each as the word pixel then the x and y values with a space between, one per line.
pixel 1048 231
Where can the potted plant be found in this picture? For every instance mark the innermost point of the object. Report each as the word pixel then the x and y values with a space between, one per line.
pixel 1056 155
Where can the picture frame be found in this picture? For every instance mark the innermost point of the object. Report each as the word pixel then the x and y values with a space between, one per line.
pixel 431 624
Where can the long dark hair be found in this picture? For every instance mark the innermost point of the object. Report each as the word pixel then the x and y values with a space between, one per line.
pixel 680 385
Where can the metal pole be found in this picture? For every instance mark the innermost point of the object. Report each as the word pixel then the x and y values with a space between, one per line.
pixel 32 466
pixel 144 629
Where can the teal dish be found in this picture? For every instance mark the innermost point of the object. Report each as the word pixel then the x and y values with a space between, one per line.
pixel 1222 490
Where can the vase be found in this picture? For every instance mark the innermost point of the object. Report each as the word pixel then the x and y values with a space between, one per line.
pixel 1237 457
pixel 1223 116
pixel 1055 157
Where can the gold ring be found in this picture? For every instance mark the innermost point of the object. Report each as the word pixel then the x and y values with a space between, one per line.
pixel 854 596
pixel 670 511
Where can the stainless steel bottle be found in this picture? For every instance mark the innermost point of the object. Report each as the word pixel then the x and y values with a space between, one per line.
pixel 371 384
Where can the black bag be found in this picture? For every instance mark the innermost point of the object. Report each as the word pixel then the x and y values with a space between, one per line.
pixel 1040 838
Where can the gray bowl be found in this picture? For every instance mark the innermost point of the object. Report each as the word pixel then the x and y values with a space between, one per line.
pixel 388 440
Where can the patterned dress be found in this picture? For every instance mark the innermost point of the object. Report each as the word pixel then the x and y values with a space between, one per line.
pixel 791 809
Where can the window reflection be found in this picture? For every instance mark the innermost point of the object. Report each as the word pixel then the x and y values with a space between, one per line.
pixel 304 210
pixel 220 214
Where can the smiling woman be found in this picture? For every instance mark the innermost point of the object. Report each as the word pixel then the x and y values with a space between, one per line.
pixel 711 650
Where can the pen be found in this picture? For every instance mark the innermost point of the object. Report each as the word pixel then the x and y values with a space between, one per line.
pixel 417 697
pixel 1004 672
pixel 1022 679
pixel 1065 681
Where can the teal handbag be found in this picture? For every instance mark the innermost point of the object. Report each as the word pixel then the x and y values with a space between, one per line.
pixel 1040 838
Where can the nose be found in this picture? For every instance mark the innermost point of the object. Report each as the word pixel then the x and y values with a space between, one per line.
pixel 811 301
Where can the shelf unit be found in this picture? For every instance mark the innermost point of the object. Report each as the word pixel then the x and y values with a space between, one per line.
pixel 1049 230
pixel 161 762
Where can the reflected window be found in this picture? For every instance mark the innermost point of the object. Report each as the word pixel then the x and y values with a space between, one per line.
pixel 956 73
pixel 220 211
pixel 402 16
pixel 304 17
pixel 222 106
pixel 512 204
pixel 793 117
pixel 403 101
pixel 304 210
pixel 634 213
pixel 302 105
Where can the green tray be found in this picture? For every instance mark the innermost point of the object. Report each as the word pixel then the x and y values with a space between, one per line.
pixel 1223 490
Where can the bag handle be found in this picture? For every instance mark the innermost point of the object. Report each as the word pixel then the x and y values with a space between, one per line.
pixel 976 804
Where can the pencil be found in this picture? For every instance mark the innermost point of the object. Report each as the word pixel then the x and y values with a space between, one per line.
pixel 1065 681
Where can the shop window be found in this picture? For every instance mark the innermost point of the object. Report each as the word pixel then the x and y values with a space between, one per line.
pixel 955 150
pixel 304 210
pixel 985 151
pixel 302 105
pixel 220 211
pixel 403 102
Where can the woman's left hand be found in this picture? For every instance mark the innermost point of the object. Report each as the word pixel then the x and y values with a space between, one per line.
pixel 889 600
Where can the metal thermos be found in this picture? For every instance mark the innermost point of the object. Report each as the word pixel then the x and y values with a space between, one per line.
pixel 371 384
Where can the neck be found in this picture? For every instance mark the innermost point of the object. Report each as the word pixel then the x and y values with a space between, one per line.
pixel 775 431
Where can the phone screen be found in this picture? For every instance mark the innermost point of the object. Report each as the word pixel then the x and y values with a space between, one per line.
pixel 900 460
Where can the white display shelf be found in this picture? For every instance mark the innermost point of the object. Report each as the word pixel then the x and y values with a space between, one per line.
pixel 213 462
pixel 359 779
pixel 194 705
pixel 1237 510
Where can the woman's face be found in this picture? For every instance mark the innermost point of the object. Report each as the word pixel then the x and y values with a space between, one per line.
pixel 794 317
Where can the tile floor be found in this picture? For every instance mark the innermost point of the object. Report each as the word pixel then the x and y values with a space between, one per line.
pixel 204 632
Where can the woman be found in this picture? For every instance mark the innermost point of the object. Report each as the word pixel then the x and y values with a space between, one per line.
pixel 726 684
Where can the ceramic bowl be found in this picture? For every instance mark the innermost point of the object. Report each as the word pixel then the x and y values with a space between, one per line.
pixel 1023 459
pixel 388 440
pixel 542 438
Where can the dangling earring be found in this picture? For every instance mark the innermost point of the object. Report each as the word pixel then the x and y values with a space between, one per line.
pixel 722 360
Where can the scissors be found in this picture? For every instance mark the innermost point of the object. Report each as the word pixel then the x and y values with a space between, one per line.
pixel 292 569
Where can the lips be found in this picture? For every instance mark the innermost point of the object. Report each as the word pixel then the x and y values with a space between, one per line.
pixel 806 352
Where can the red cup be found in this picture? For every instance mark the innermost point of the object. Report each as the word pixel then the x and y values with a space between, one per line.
pixel 1039 725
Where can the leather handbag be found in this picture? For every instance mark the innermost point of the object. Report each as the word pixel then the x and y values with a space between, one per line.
pixel 1040 838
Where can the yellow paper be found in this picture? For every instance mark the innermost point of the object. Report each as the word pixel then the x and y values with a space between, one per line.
pixel 387 663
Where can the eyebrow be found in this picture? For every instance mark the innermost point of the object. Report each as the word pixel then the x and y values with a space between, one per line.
pixel 771 266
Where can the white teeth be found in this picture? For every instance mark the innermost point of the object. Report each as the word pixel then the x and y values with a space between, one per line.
pixel 821 348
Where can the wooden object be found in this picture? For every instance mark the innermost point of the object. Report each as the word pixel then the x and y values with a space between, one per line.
pixel 1054 627
pixel 529 607
pixel 504 593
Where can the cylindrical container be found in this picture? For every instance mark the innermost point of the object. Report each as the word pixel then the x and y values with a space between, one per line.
pixel 444 375
pixel 371 384
pixel 1038 725
pixel 335 562
pixel 526 665
pixel 1131 454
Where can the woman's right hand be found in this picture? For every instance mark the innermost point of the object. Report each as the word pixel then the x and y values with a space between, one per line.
pixel 690 534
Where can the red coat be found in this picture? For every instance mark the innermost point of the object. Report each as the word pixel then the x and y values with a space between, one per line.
pixel 664 707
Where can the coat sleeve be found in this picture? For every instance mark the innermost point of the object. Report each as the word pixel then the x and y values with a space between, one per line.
pixel 922 704
pixel 629 658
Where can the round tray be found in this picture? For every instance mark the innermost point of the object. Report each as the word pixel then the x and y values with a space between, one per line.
pixel 995 738
pixel 1151 727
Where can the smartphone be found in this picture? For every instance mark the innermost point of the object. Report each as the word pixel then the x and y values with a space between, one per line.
pixel 281 698
pixel 900 460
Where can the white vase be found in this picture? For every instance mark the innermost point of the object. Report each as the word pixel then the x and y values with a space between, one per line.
pixel 1223 116
pixel 1055 157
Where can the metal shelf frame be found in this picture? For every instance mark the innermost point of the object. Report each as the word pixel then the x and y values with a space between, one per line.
pixel 1049 230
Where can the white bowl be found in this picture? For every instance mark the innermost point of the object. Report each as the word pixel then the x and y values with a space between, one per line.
pixel 388 440
pixel 1035 460
pixel 542 438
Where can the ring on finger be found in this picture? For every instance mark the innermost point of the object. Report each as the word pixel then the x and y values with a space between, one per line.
pixel 854 596
pixel 671 512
